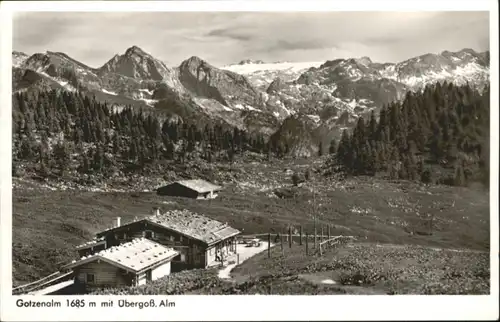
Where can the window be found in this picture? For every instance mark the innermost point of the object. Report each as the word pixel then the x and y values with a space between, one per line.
pixel 149 234
pixel 171 238
pixel 89 278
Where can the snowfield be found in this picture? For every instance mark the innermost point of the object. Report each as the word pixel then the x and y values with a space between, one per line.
pixel 64 83
pixel 288 66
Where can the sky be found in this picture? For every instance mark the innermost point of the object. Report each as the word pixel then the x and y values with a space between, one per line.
pixel 223 38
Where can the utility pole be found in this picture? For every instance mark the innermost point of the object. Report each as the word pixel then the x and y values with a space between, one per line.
pixel 269 245
pixel 314 210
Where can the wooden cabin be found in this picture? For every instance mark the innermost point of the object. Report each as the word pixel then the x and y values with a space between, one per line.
pixel 200 241
pixel 129 264
pixel 91 247
pixel 196 189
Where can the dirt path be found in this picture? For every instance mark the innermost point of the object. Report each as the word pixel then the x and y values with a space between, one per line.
pixel 245 253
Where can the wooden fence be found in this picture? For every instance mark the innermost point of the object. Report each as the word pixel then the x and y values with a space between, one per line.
pixel 318 242
pixel 42 283
pixel 334 242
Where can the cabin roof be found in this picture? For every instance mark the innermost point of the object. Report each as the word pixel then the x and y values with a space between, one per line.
pixel 134 256
pixel 194 225
pixel 190 224
pixel 199 185
pixel 91 243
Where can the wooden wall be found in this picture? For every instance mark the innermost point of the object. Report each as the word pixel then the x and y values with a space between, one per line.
pixel 104 274
pixel 176 190
pixel 107 275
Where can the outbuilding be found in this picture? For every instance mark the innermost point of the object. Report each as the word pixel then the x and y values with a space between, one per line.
pixel 196 189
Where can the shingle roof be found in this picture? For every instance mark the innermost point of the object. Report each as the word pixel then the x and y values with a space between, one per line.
pixel 133 256
pixel 194 225
pixel 91 243
pixel 199 185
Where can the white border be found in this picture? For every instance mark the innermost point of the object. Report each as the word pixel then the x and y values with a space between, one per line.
pixel 210 308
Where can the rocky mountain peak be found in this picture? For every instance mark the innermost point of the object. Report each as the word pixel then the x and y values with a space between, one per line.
pixel 364 60
pixel 136 63
pixel 18 53
pixel 207 81
pixel 469 51
pixel 194 62
pixel 135 50
pixel 116 57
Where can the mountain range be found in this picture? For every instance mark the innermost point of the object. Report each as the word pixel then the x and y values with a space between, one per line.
pixel 302 103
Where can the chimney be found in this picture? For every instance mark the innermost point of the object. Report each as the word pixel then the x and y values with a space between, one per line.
pixel 156 211
pixel 118 222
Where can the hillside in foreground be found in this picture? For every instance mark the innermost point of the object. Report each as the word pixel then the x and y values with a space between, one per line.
pixel 49 224
pixel 354 269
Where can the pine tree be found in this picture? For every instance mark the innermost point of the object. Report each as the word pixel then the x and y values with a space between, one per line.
pixel 62 157
pixel 320 149
pixel 459 178
pixel 333 147
pixel 344 151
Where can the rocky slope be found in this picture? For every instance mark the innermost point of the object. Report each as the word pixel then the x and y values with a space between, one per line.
pixel 18 58
pixel 254 95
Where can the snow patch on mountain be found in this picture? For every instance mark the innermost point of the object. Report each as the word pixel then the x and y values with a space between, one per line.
pixel 315 118
pixel 64 83
pixel 246 107
pixel 108 92
pixel 149 102
pixel 146 91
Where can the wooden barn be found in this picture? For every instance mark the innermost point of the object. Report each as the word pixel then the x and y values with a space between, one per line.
pixel 132 263
pixel 200 241
pixel 196 189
